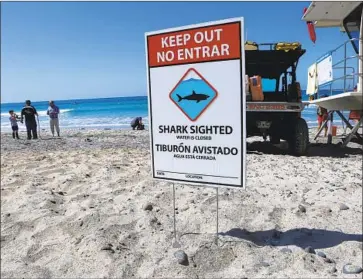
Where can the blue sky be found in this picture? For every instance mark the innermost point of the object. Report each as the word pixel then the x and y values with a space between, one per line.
pixel 68 50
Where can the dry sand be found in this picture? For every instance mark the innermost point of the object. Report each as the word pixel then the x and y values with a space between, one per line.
pixel 79 206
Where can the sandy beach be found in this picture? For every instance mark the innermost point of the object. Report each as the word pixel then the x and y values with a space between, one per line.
pixel 84 206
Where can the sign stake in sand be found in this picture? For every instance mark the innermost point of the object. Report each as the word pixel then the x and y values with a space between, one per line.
pixel 217 197
pixel 197 104
pixel 176 244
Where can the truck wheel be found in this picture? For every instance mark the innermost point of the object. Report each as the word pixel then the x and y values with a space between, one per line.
pixel 299 140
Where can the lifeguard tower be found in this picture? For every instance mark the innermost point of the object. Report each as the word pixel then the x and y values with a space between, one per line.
pixel 340 76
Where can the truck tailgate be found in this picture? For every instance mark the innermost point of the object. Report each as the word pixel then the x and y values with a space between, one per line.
pixel 276 106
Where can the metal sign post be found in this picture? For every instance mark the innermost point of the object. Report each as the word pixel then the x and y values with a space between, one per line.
pixel 217 216
pixel 176 244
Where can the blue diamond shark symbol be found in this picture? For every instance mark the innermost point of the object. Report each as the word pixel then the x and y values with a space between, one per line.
pixel 193 94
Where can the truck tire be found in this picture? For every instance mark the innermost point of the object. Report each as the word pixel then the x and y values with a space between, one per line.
pixel 299 140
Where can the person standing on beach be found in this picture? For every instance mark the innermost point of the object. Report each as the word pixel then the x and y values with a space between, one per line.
pixel 322 116
pixel 53 112
pixel 31 124
pixel 14 124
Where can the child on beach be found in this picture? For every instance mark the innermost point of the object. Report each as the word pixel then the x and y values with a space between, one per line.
pixel 14 124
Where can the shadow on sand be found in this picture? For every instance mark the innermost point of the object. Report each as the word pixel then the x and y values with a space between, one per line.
pixel 316 238
pixel 315 149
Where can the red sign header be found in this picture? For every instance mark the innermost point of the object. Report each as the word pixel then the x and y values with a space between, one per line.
pixel 203 44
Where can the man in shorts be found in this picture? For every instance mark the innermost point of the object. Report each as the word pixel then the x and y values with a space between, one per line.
pixel 53 112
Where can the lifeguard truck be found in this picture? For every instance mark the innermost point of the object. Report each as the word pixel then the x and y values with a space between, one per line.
pixel 274 102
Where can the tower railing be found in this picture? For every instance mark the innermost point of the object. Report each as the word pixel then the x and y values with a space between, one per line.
pixel 344 71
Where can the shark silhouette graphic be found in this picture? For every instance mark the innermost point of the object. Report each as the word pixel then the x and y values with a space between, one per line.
pixel 193 97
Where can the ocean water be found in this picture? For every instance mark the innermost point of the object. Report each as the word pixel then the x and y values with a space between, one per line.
pixel 110 113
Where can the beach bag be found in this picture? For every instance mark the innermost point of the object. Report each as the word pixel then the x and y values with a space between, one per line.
pixel 288 46
pixel 251 45
pixel 256 88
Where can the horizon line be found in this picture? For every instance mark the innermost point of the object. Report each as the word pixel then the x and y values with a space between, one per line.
pixel 93 98
pixel 80 99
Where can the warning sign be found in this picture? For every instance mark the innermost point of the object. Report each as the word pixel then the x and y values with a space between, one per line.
pixel 197 103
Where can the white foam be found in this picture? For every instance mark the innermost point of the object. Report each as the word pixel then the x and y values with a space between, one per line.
pixel 40 112
pixel 79 122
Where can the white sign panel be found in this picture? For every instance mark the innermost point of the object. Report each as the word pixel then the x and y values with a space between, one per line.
pixel 197 103
pixel 325 70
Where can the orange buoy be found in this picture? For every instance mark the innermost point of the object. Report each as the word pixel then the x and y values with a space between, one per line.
pixel 311 29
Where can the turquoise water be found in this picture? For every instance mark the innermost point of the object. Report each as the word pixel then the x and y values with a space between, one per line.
pixel 111 113
pixel 87 113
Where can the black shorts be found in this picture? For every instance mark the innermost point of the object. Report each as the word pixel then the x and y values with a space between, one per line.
pixel 15 128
